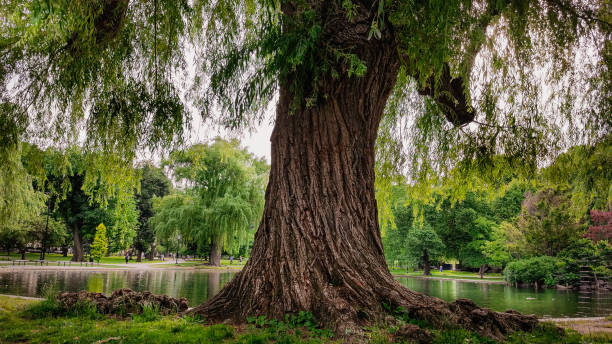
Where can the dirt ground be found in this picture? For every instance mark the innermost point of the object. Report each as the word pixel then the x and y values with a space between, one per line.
pixel 599 325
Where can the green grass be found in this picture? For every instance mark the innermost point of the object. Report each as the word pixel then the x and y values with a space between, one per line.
pixel 225 264
pixel 31 321
pixel 54 257
pixel 38 322
pixel 449 274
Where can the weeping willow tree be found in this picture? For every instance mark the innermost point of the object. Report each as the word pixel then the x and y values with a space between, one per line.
pixel 476 87
pixel 222 200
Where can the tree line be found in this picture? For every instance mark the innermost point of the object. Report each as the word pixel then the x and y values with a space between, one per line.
pixel 214 206
pixel 540 230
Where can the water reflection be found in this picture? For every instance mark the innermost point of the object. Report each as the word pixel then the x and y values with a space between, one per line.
pixel 544 303
pixel 198 286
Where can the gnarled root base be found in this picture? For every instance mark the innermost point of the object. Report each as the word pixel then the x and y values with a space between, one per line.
pixel 337 309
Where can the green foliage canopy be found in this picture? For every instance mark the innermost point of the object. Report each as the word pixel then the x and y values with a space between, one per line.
pixel 422 241
pixel 223 199
pixel 113 67
pixel 153 183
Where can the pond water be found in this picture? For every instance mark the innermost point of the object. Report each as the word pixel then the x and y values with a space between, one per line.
pixel 198 286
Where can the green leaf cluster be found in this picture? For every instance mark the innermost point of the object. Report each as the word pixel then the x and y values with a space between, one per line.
pixel 222 200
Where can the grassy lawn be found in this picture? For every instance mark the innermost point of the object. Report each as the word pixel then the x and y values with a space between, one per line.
pixel 54 257
pixel 449 274
pixel 198 264
pixel 28 321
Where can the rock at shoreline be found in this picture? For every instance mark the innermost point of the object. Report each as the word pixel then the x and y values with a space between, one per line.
pixel 125 301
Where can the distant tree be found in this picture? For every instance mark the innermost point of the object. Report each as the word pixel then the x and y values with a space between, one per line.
pixel 508 206
pixel 81 197
pixel 99 248
pixel 496 249
pixel 423 245
pixel 462 227
pixel 47 232
pixel 224 198
pixel 394 239
pixel 601 228
pixel 547 223
pixel 153 183
pixel 171 212
pixel 123 215
pixel 471 255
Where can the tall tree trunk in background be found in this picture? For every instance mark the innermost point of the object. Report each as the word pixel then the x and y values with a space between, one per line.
pixel 23 253
pixel 77 249
pixel 318 246
pixel 139 256
pixel 43 248
pixel 151 254
pixel 426 264
pixel 215 253
pixel 482 270
pixel 43 241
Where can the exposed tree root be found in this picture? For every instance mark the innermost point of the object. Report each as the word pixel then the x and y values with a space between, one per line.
pixel 347 316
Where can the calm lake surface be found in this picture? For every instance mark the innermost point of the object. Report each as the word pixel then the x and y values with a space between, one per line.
pixel 198 286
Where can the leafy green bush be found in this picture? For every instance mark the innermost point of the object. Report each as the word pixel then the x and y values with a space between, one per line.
pixel 537 270
pixel 584 252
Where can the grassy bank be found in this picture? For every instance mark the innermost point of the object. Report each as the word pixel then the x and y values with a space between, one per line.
pixel 448 274
pixel 201 264
pixel 54 257
pixel 38 322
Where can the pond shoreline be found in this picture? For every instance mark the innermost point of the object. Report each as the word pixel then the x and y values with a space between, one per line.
pixel 171 267
pixel 485 281
pixel 110 267
pixel 564 322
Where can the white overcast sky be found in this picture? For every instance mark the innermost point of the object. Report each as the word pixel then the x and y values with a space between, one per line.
pixel 256 141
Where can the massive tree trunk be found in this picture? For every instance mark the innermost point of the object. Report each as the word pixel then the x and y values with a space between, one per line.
pixel 215 253
pixel 77 249
pixel 318 246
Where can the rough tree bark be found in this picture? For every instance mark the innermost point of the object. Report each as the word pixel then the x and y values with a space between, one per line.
pixel 215 254
pixel 318 246
pixel 77 248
